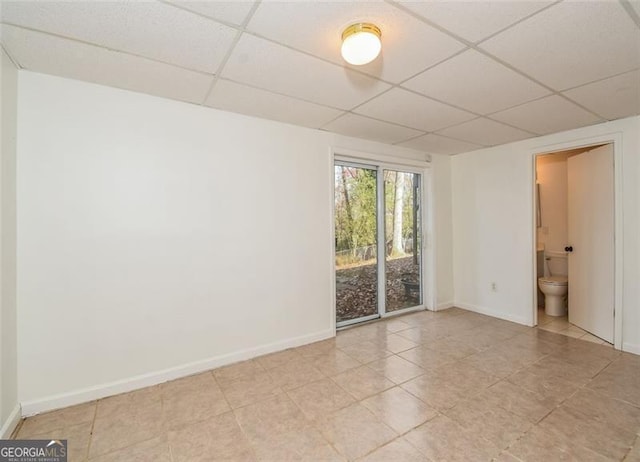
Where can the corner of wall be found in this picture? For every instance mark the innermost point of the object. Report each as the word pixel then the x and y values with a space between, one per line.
pixel 9 408
pixel 443 229
pixel 11 423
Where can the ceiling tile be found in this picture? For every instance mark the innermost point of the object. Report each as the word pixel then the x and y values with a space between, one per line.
pixel 485 132
pixel 475 21
pixel 492 88
pixel 437 144
pixel 316 27
pixel 235 97
pixel 41 52
pixel 571 43
pixel 363 127
pixel 405 108
pixel 612 98
pixel 234 12
pixel 150 29
pixel 547 115
pixel 265 65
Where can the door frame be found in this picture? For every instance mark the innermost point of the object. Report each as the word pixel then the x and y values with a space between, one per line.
pixel 614 139
pixel 426 216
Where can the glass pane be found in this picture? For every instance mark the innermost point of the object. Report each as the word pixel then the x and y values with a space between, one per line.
pixel 355 233
pixel 402 240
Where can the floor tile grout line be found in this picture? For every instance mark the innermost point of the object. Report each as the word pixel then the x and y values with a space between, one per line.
pixel 165 429
pixel 532 424
pixel 120 448
pixel 564 401
pixel 244 433
pixel 313 423
pixel 128 445
pixel 93 424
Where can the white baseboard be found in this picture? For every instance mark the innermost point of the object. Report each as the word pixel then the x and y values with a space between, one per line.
pixel 493 313
pixel 631 348
pixel 154 378
pixel 11 423
pixel 444 305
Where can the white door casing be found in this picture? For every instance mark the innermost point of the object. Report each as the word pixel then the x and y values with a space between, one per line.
pixel 591 235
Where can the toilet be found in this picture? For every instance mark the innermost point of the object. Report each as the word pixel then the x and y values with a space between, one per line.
pixel 555 286
pixel 555 290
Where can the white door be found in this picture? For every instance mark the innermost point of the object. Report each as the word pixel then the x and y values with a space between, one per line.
pixel 590 231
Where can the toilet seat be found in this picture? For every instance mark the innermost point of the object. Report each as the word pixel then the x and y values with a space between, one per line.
pixel 554 280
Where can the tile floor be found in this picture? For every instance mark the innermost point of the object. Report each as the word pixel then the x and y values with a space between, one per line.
pixel 452 385
pixel 561 325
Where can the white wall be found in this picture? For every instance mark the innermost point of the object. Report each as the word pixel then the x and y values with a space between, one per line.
pixel 9 410
pixel 493 223
pixel 491 244
pixel 552 178
pixel 159 238
pixel 444 245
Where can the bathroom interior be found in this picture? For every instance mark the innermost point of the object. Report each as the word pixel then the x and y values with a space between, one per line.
pixel 552 241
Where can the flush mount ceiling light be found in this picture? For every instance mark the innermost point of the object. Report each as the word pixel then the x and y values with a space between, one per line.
pixel 361 43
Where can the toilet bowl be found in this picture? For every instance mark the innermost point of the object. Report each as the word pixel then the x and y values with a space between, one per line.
pixel 555 290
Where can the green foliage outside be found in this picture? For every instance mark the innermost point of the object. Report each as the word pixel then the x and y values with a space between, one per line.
pixel 355 214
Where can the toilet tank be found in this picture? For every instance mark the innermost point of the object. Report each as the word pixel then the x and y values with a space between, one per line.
pixel 557 263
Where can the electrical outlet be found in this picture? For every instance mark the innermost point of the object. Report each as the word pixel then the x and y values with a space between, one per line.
pixel 494 287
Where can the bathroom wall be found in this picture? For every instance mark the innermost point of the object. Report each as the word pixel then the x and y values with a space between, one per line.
pixel 551 173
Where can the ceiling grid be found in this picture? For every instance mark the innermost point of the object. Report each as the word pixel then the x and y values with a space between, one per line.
pixel 451 78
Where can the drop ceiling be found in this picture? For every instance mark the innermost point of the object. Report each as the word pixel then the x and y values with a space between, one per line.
pixel 453 76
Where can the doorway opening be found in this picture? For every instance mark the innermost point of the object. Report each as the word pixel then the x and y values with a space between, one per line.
pixel 378 241
pixel 574 241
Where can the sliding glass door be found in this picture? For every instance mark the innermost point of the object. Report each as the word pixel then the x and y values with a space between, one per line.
pixel 403 259
pixel 377 241
pixel 356 234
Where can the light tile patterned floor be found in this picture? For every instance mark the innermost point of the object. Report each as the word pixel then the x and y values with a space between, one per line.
pixel 452 385
pixel 561 325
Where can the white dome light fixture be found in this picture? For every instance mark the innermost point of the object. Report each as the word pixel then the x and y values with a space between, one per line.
pixel 361 43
